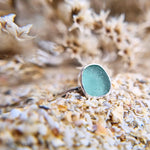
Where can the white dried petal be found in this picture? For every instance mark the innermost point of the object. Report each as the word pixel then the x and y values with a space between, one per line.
pixel 15 113
pixel 23 148
pixel 85 142
pixel 117 113
pixel 42 129
pixel 57 143
pixel 7 25
pixel 49 119
pixel 68 136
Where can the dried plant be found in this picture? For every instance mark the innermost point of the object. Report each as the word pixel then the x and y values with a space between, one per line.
pixel 8 26
pixel 97 35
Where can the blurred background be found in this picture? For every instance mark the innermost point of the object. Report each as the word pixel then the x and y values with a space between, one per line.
pixel 69 33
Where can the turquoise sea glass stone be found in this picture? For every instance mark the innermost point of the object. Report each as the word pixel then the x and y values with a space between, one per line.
pixel 95 81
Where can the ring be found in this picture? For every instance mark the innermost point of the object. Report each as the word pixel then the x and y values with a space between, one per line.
pixel 93 80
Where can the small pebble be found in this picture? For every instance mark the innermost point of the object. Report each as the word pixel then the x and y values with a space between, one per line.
pixel 8 92
pixel 44 107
